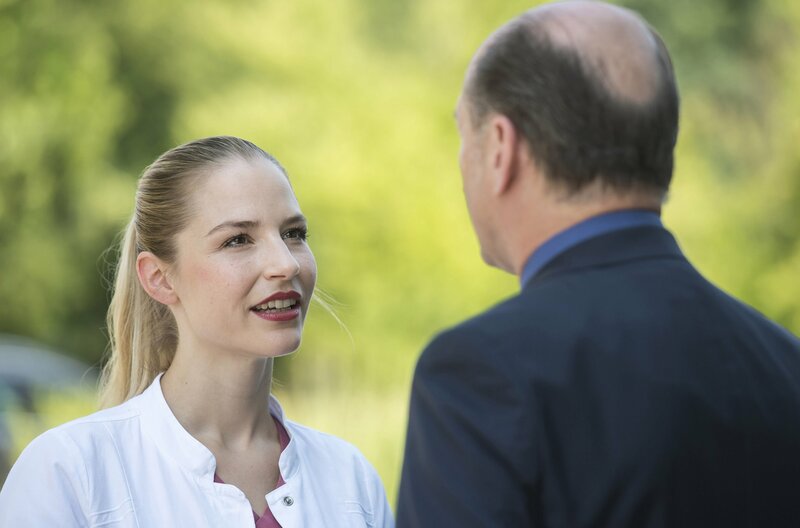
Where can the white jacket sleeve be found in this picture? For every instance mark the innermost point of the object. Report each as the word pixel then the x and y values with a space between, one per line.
pixel 47 486
pixel 382 517
pixel 381 512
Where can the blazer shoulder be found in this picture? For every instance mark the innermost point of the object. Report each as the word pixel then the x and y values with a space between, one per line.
pixel 502 323
pixel 484 337
pixel 752 318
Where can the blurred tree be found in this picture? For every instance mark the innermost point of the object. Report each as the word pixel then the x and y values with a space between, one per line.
pixel 356 98
pixel 60 112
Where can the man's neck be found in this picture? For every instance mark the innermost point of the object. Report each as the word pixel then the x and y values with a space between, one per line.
pixel 556 214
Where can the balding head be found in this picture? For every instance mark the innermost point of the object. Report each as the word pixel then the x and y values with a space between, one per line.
pixel 614 44
pixel 591 89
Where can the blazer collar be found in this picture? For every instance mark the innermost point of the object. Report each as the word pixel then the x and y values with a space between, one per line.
pixel 613 248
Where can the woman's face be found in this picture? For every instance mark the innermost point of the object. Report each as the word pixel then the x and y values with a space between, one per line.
pixel 244 273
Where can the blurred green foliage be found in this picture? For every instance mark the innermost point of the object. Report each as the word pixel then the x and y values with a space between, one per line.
pixel 355 97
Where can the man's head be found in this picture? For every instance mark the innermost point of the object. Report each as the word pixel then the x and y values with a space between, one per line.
pixel 580 93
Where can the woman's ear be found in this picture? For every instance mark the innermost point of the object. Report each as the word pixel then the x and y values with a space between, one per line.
pixel 153 277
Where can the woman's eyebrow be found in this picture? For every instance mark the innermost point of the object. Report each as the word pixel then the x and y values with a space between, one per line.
pixel 295 219
pixel 240 224
pixel 252 224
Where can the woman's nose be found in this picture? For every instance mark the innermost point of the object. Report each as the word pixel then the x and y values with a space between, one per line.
pixel 280 262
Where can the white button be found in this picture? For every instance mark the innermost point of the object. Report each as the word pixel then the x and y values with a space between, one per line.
pixel 288 501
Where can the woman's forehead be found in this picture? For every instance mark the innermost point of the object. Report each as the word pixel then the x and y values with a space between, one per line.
pixel 250 189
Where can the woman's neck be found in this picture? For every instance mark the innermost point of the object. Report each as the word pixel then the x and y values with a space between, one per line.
pixel 221 399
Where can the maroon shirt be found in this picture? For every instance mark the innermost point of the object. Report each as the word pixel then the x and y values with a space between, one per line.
pixel 267 520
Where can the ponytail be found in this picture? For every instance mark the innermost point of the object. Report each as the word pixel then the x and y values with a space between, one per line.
pixel 142 332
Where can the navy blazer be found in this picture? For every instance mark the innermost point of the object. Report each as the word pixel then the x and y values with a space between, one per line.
pixel 618 389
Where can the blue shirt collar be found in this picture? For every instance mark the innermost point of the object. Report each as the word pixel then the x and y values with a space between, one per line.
pixel 589 228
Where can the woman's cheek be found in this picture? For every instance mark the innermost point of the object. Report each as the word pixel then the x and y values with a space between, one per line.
pixel 310 269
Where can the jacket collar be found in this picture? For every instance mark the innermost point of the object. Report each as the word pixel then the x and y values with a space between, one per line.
pixel 160 424
pixel 612 248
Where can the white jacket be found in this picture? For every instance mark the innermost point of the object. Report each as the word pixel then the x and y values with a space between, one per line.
pixel 135 466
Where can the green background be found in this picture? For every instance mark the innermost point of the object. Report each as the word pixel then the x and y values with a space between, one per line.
pixel 356 98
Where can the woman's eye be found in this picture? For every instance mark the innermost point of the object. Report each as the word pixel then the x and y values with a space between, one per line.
pixel 238 240
pixel 299 233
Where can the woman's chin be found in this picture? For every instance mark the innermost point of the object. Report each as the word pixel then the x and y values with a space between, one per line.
pixel 286 352
pixel 281 347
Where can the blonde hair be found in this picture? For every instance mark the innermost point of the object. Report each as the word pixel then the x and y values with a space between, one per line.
pixel 142 332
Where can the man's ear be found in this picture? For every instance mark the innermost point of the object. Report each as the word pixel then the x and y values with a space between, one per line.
pixel 503 145
pixel 152 272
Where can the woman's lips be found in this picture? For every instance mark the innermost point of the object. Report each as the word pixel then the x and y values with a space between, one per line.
pixel 282 296
pixel 280 306
pixel 286 314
